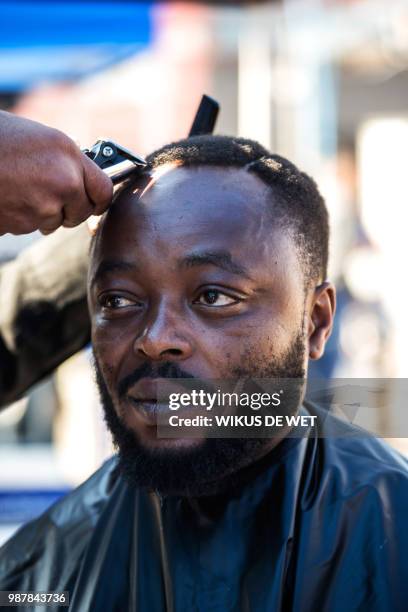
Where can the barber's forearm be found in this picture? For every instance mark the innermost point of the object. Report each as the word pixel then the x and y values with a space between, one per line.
pixel 43 310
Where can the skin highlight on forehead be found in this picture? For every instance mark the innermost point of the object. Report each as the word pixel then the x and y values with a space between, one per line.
pixel 155 176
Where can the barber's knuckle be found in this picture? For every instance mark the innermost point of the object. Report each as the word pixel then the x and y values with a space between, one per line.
pixel 73 190
pixel 50 209
pixel 60 141
pixel 64 158
pixel 74 221
pixel 75 214
pixel 69 223
pixel 71 183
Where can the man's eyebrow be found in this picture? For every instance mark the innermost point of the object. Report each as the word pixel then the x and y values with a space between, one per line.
pixel 109 266
pixel 220 259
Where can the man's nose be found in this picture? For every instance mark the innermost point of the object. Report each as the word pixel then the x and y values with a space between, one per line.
pixel 163 337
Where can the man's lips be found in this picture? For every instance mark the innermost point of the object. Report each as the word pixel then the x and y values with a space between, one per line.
pixel 144 397
pixel 148 408
pixel 158 389
pixel 149 397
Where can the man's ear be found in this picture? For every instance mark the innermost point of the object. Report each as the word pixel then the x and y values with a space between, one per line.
pixel 322 309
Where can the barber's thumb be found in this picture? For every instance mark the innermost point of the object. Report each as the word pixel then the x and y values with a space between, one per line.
pixel 98 186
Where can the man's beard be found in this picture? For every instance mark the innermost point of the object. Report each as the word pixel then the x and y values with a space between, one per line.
pixel 212 465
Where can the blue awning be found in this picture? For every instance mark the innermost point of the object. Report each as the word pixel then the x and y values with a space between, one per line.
pixel 43 41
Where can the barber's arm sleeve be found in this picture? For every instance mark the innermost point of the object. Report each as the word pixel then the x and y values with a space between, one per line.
pixel 43 310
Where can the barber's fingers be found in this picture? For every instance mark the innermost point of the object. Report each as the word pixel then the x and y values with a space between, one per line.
pixel 83 190
pixel 87 190
pixel 77 210
pixel 77 206
pixel 98 186
pixel 51 223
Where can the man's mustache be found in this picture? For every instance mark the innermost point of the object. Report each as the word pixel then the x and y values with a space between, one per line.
pixel 164 370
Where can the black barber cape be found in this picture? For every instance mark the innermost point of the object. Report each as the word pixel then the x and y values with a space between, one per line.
pixel 321 525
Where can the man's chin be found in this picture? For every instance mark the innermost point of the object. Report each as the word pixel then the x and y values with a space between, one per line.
pixel 150 442
pixel 186 467
pixel 189 467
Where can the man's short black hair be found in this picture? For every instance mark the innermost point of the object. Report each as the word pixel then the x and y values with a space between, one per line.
pixel 299 206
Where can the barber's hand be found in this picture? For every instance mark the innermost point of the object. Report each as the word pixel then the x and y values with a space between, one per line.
pixel 45 180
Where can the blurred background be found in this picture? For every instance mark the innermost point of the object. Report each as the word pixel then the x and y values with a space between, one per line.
pixel 322 82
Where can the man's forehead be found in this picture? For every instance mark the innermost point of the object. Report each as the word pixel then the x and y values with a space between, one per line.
pixel 195 209
pixel 196 194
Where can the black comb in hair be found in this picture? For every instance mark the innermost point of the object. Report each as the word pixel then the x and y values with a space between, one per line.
pixel 206 117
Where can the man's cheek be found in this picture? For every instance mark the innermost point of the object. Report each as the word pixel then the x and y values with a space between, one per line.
pixel 107 358
pixel 250 355
pixel 222 354
pixel 229 359
pixel 110 345
pixel 105 332
pixel 106 370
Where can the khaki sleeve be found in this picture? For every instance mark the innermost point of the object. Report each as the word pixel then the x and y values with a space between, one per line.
pixel 43 309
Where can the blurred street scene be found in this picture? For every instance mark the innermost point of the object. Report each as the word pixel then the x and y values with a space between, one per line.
pixel 322 82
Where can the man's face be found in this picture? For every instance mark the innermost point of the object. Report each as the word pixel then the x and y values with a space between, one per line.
pixel 191 278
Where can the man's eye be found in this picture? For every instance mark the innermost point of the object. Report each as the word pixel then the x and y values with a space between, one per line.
pixel 212 297
pixel 114 302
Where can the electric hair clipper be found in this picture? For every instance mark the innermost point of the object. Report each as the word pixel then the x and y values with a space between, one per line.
pixel 119 163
